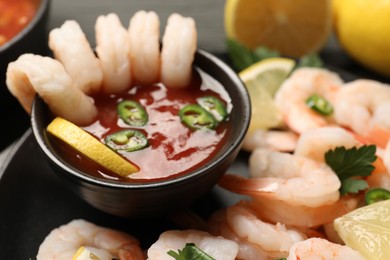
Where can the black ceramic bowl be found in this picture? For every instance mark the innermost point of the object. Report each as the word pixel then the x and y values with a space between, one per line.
pixel 151 199
pixel 32 39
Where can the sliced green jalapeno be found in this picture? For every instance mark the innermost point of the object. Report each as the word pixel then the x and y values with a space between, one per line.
pixel 196 117
pixel 132 113
pixel 126 140
pixel 215 106
pixel 376 194
pixel 319 104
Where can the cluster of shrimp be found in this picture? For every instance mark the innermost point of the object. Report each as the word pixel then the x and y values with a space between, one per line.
pixel 122 57
pixel 293 195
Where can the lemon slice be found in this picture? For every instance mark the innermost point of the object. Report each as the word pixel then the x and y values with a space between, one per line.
pixel 294 28
pixel 262 80
pixel 367 230
pixel 89 146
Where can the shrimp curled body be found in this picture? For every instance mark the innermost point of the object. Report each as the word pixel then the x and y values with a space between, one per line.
pixel 178 49
pixel 31 74
pixel 64 241
pixel 113 47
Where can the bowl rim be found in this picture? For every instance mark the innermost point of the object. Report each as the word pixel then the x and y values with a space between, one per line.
pixel 74 173
pixel 42 8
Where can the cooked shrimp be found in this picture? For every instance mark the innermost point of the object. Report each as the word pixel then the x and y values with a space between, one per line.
pixel 71 47
pixel 283 141
pixel 178 50
pixel 253 235
pixel 386 157
pixel 314 143
pixel 363 106
pixel 291 178
pixel 293 93
pixel 64 241
pixel 318 248
pixel 31 74
pixel 301 216
pixel 144 34
pixel 113 48
pixel 215 246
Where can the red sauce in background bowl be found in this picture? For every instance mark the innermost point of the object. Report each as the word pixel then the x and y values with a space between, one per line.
pixel 14 16
pixel 174 149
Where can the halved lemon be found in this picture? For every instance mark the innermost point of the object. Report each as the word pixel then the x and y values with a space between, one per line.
pixel 91 147
pixel 294 28
pixel 367 230
pixel 262 80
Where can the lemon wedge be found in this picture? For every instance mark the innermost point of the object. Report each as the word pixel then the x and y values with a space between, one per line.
pixel 91 147
pixel 367 230
pixel 294 28
pixel 262 80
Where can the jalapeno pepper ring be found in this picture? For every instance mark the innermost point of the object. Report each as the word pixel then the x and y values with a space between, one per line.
pixel 214 106
pixel 132 113
pixel 376 194
pixel 319 104
pixel 196 117
pixel 126 140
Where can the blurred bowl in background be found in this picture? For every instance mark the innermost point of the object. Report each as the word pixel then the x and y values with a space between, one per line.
pixel 32 38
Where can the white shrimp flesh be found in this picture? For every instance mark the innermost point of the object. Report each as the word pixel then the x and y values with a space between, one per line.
pixel 178 51
pixel 65 241
pixel 144 37
pixel 31 74
pixel 71 47
pixel 113 49
pixel 175 240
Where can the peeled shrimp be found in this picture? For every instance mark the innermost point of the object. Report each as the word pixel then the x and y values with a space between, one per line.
pixel 363 106
pixel 386 157
pixel 178 50
pixel 256 238
pixel 144 35
pixel 295 179
pixel 318 248
pixel 314 143
pixel 215 246
pixel 31 74
pixel 113 48
pixel 64 241
pixel 283 141
pixel 71 47
pixel 291 97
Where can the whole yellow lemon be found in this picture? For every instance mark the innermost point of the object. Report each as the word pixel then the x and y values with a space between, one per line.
pixel 362 28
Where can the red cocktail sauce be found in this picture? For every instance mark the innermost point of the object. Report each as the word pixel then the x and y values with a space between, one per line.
pixel 173 149
pixel 14 16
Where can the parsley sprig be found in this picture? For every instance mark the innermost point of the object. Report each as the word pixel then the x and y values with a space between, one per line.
pixel 190 252
pixel 242 57
pixel 350 165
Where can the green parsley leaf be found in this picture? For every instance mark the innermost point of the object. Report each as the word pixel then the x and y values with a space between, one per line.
pixel 352 186
pixel 240 56
pixel 262 53
pixel 351 163
pixel 190 252
pixel 310 60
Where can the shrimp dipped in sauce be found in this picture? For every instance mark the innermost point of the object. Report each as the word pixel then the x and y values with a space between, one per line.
pixel 178 48
pixel 31 74
pixel 71 47
pixel 113 50
pixel 144 38
pixel 78 237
